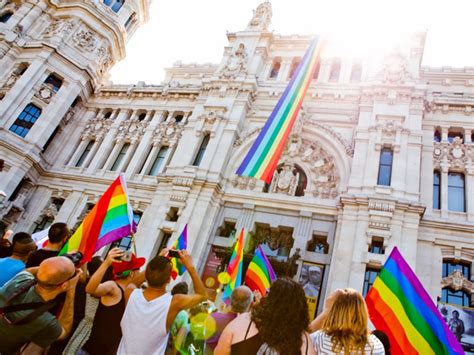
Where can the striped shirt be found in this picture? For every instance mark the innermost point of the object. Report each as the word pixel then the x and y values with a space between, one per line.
pixel 323 345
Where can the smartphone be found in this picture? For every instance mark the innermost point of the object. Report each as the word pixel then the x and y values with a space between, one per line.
pixel 126 256
pixel 173 253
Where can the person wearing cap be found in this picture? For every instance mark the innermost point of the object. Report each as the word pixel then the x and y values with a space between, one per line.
pixel 106 333
pixel 22 249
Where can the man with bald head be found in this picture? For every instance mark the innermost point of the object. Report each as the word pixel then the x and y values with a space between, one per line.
pixel 240 302
pixel 35 324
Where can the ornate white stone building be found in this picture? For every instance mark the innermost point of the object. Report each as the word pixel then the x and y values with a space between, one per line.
pixel 381 154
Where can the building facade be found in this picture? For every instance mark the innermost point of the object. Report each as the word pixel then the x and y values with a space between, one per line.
pixel 381 154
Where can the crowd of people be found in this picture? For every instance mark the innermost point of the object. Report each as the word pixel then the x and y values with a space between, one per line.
pixel 50 305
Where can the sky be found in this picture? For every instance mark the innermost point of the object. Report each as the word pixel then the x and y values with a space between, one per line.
pixel 195 30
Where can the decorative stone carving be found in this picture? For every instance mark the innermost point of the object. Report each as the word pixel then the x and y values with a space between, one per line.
pixel 59 27
pixel 244 183
pixel 236 64
pixel 285 181
pixel 274 238
pixel 45 92
pixel 85 40
pixel 131 130
pixel 96 128
pixel 456 281
pixel 14 77
pixel 262 17
pixel 452 155
pixel 395 70
pixel 167 133
pixel 208 121
pixel 105 59
pixel 50 211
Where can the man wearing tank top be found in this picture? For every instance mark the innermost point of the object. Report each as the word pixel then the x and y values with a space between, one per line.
pixel 150 313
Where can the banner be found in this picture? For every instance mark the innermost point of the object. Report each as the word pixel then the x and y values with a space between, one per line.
pixel 311 277
pixel 460 321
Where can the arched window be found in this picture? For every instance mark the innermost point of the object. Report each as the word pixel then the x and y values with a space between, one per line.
pixel 456 192
pixel 54 81
pixel 437 136
pixel 142 116
pixel 275 68
pixel 335 70
pixel 356 72
pixel 6 16
pixel 178 117
pixel 107 114
pixel 26 120
pixel 302 181
pixel 294 66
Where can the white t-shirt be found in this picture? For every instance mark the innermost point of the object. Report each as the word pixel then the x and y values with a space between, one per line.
pixel 144 325
pixel 323 344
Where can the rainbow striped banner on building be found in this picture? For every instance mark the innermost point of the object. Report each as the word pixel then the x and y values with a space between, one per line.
pixel 260 274
pixel 263 156
pixel 234 269
pixel 110 219
pixel 399 306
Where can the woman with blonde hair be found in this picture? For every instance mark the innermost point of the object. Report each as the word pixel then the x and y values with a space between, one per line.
pixel 345 329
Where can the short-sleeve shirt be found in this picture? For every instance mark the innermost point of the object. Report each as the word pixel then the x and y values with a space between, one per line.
pixel 10 267
pixel 38 256
pixel 43 330
pixel 323 344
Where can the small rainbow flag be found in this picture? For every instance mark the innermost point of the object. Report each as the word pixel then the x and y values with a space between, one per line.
pixel 109 220
pixel 400 306
pixel 263 156
pixel 234 269
pixel 260 274
pixel 180 244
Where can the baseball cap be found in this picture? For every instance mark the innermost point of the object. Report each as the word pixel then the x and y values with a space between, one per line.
pixel 134 264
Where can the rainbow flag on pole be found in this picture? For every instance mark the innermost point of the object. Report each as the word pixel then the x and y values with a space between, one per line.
pixel 234 269
pixel 399 306
pixel 109 220
pixel 180 244
pixel 263 156
pixel 260 274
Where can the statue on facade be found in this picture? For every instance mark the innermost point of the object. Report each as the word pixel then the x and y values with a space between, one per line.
pixel 395 68
pixel 262 17
pixel 236 64
pixel 285 181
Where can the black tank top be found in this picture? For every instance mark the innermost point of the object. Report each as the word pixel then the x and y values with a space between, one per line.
pixel 248 346
pixel 253 344
pixel 106 332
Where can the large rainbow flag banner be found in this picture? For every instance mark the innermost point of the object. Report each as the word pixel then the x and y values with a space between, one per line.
pixel 234 269
pixel 180 244
pixel 400 306
pixel 263 156
pixel 260 274
pixel 109 220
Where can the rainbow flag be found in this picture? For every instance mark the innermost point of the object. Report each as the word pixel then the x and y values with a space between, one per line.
pixel 109 220
pixel 399 306
pixel 263 156
pixel 234 269
pixel 260 274
pixel 180 244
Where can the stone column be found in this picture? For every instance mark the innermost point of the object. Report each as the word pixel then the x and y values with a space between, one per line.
pixel 128 155
pixel 80 149
pixel 68 208
pixel 32 15
pixel 113 155
pixel 107 144
pixel 19 14
pixel 141 152
pixel 150 159
pixel 469 193
pixel 302 232
pixel 444 191
pixel 92 153
pixel 444 134
pixel 246 218
pixel 467 136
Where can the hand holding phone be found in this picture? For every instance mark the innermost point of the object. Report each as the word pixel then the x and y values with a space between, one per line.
pixel 173 253
pixel 126 256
